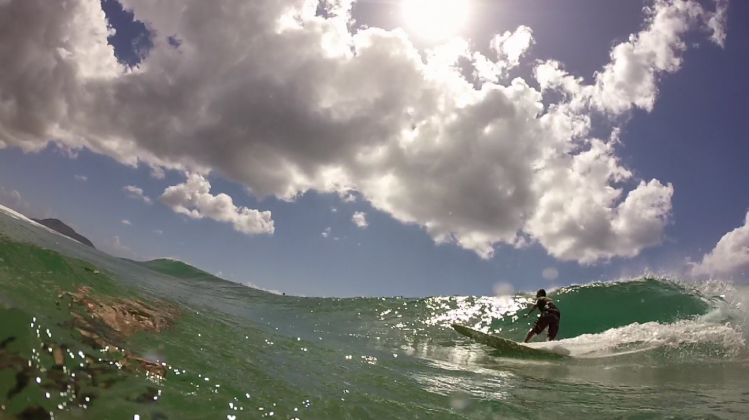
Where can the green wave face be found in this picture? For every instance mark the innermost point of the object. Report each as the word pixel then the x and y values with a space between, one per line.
pixel 206 348
pixel 598 307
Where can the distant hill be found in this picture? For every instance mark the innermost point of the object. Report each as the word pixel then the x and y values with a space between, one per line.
pixel 175 268
pixel 180 270
pixel 64 229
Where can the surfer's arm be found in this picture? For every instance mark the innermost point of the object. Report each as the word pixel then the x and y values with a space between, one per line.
pixel 533 308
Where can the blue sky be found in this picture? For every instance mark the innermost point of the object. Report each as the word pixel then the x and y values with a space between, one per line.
pixel 694 138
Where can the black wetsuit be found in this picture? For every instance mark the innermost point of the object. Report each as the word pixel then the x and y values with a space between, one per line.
pixel 550 316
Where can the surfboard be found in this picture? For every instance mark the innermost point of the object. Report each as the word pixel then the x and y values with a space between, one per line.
pixel 505 346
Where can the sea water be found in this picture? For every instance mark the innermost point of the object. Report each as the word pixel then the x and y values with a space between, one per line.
pixel 84 335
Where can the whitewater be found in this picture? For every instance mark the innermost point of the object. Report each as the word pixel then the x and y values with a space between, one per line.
pixel 84 335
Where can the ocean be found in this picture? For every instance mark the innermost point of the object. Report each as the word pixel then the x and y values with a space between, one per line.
pixel 84 335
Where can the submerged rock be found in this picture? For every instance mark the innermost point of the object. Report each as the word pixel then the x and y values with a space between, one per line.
pixel 105 324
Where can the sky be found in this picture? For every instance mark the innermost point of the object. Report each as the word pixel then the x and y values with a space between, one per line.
pixel 385 147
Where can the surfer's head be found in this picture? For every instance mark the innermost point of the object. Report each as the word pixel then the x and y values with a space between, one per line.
pixel 540 293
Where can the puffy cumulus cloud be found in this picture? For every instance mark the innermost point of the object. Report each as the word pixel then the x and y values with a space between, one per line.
pixel 326 232
pixel 730 256
pixel 12 199
pixel 193 199
pixel 508 47
pixel 62 47
pixel 718 21
pixel 577 217
pixel 136 193
pixel 630 79
pixel 360 219
pixel 127 223
pixel 272 96
pixel 81 178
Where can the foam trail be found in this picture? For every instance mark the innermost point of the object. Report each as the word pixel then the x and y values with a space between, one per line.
pixel 642 337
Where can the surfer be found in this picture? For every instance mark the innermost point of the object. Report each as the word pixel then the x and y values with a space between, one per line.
pixel 550 316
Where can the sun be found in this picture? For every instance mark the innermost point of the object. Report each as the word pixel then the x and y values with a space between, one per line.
pixel 435 19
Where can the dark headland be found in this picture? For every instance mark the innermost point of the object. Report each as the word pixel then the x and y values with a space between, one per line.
pixel 64 229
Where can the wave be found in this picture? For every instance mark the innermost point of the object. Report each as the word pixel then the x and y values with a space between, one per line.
pixel 328 358
pixel 601 320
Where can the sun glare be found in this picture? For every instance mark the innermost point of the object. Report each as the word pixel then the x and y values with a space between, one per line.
pixel 435 19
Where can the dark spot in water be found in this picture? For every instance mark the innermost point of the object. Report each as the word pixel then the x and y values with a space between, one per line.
pixel 7 341
pixel 156 415
pixel 34 413
pixel 22 381
pixel 148 396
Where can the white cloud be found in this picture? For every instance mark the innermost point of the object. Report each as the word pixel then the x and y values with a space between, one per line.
pixel 118 249
pixel 193 199
pixel 630 79
pixel 326 232
pixel 13 200
pixel 119 245
pixel 510 46
pixel 81 178
pixel 126 222
pixel 136 193
pixel 718 22
pixel 730 257
pixel 578 219
pixel 157 172
pixel 283 101
pixel 360 219
pixel 158 232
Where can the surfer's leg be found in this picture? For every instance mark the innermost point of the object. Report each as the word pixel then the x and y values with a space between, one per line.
pixel 553 327
pixel 538 328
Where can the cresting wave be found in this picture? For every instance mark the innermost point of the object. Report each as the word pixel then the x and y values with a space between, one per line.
pixel 599 320
pixel 618 318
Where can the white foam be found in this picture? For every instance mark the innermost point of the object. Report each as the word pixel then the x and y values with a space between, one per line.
pixel 18 216
pixel 637 337
pixel 732 307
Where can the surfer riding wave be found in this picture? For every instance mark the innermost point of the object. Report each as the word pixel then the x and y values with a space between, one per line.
pixel 550 316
